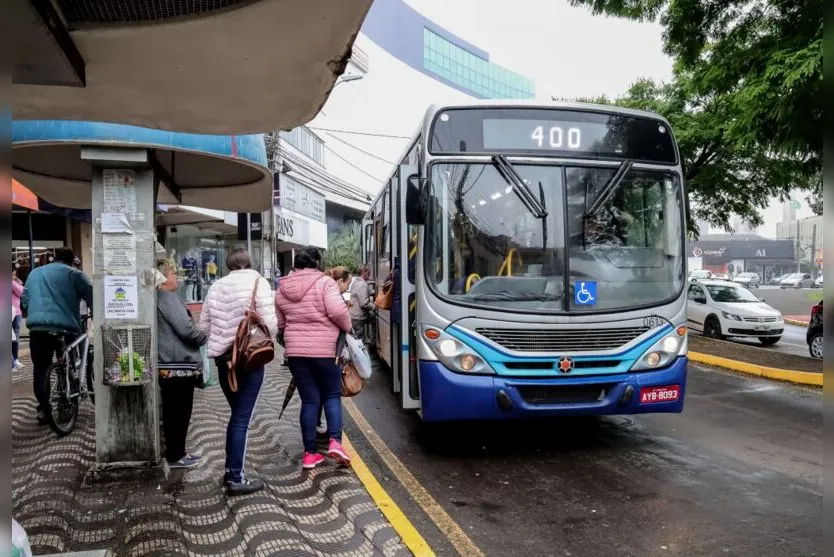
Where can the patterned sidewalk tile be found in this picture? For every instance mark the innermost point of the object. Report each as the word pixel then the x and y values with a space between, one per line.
pixel 320 513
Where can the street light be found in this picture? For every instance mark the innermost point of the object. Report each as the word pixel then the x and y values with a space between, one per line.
pixel 348 77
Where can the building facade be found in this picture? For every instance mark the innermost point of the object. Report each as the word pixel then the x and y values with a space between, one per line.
pixel 737 253
pixel 808 237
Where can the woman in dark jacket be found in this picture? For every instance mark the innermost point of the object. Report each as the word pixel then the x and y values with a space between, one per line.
pixel 180 366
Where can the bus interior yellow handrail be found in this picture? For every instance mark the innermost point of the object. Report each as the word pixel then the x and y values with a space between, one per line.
pixel 507 265
pixel 472 279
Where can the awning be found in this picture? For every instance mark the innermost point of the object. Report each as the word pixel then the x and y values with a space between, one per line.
pixel 219 172
pixel 236 66
pixel 22 197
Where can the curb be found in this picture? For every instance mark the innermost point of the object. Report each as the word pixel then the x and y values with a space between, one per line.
pixel 787 375
pixel 796 322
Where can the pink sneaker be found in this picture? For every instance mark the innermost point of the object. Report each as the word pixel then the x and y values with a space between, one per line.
pixel 311 460
pixel 338 453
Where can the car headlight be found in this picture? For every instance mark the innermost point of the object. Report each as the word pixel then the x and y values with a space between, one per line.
pixel 454 354
pixel 663 352
pixel 733 316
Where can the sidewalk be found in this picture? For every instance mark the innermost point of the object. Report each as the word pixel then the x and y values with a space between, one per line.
pixel 753 354
pixel 322 512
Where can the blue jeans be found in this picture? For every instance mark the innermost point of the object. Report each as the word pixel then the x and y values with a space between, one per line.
pixel 242 404
pixel 319 383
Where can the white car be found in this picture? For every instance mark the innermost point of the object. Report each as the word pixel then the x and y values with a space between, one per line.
pixel 750 280
pixel 797 280
pixel 722 309
pixel 818 282
pixel 699 274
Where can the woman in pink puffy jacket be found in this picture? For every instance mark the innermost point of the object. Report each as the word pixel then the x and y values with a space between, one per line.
pixel 311 314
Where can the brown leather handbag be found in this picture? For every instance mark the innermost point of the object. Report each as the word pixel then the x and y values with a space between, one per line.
pixel 385 296
pixel 352 383
pixel 253 346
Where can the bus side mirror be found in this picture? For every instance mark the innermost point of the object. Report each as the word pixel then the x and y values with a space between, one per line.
pixel 415 204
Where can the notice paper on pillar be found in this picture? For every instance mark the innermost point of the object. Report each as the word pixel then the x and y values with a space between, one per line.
pixel 115 222
pixel 121 296
pixel 119 191
pixel 119 253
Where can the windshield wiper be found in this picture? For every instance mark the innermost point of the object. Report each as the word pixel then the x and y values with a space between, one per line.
pixel 511 296
pixel 610 187
pixel 519 187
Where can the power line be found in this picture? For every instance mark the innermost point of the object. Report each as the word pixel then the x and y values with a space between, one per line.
pixel 351 164
pixel 360 150
pixel 369 134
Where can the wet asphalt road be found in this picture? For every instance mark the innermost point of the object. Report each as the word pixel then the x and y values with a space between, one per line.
pixel 738 473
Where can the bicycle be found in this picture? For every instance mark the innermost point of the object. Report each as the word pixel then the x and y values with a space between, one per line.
pixel 62 381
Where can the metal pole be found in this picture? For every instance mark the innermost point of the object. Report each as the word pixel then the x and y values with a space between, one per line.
pixel 31 245
pixel 814 251
pixel 249 233
pixel 798 250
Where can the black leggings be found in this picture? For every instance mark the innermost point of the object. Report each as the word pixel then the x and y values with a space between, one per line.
pixel 177 403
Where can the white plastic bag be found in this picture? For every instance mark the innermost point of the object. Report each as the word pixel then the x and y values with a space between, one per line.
pixel 20 541
pixel 359 356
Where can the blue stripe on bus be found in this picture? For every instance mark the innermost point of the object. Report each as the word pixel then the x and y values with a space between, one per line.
pixel 498 357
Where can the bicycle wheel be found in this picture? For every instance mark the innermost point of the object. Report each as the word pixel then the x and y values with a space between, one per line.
pixel 90 377
pixel 61 410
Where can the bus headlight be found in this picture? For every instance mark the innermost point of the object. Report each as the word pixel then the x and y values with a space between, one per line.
pixel 452 353
pixel 663 352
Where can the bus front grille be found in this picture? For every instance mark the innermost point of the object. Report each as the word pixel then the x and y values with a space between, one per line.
pixel 567 394
pixel 561 340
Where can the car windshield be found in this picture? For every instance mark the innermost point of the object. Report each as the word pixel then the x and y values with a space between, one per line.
pixel 487 246
pixel 795 276
pixel 728 294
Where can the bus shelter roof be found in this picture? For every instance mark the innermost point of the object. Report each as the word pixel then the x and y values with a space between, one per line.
pixel 226 173
pixel 204 66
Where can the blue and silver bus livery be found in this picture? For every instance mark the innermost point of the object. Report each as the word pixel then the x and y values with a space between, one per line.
pixel 539 266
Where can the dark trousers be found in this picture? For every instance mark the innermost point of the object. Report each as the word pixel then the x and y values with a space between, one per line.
pixel 177 403
pixel 242 404
pixel 42 347
pixel 15 343
pixel 319 383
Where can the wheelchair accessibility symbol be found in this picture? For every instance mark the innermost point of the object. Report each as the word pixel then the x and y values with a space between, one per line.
pixel 585 293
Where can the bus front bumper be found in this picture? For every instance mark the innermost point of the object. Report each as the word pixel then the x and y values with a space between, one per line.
pixel 449 396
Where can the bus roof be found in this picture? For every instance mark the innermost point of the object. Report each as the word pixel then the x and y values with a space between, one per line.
pixel 556 105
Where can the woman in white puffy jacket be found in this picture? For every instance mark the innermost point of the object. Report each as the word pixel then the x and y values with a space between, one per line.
pixel 223 309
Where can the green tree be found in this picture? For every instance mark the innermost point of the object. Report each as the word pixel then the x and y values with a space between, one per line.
pixel 760 58
pixel 724 175
pixel 344 247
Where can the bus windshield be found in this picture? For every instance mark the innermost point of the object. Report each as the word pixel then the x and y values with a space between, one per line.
pixel 590 239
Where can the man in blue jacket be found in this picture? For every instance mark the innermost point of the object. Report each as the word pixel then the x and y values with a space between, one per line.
pixel 51 302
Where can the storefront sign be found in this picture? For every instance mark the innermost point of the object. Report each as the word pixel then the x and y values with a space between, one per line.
pixel 295 196
pixel 299 230
pixel 729 250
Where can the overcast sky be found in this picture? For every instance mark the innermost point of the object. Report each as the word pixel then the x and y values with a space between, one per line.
pixel 568 52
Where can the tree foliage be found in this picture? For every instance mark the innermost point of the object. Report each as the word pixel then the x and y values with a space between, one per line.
pixel 344 247
pixel 747 99
pixel 723 176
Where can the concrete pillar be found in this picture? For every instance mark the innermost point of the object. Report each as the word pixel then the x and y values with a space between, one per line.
pixel 127 417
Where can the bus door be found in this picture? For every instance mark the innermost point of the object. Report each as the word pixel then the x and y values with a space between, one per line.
pixel 369 259
pixel 406 256
pixel 383 231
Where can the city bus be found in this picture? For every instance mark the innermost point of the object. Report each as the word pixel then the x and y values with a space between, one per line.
pixel 537 257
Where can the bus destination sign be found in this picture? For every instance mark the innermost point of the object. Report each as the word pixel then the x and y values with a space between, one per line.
pixel 567 133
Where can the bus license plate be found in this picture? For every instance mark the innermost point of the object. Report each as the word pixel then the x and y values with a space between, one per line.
pixel 650 395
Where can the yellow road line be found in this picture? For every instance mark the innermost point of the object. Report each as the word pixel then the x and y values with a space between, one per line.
pixel 408 533
pixel 789 375
pixel 447 526
pixel 796 322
